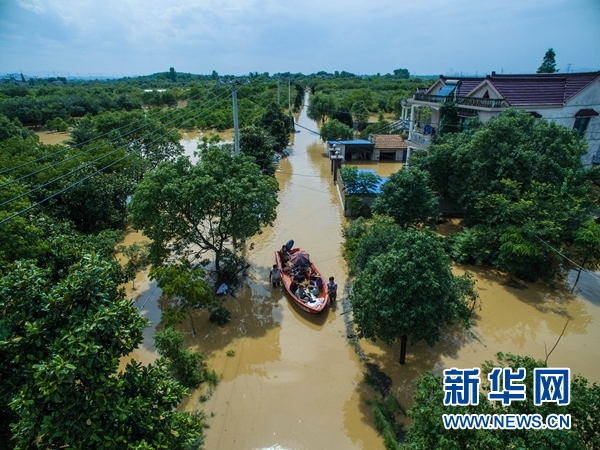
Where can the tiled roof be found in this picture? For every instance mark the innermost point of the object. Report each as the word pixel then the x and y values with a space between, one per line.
pixel 391 141
pixel 531 89
pixel 541 89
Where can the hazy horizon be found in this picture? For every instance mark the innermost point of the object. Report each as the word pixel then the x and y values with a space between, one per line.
pixel 136 38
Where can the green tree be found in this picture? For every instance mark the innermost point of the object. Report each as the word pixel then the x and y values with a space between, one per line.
pixel 410 292
pixel 449 120
pixel 320 107
pixel 360 112
pixel 365 239
pixel 402 73
pixel 13 128
pixel 277 124
pixel 187 367
pixel 519 181
pixel 427 429
pixel 60 345
pixel 172 74
pixel 256 142
pixel 407 197
pixel 587 247
pixel 222 198
pixel 334 130
pixel 185 285
pixel 137 255
pixel 549 63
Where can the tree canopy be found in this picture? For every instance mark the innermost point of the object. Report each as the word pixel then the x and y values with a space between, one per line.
pixel 278 124
pixel 410 292
pixel 335 130
pixel 549 62
pixel 407 197
pixel 220 198
pixel 521 184
pixel 257 142
pixel 60 345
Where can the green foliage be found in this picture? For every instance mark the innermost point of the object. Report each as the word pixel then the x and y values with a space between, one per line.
pixel 380 127
pixel 220 315
pixel 335 130
pixel 520 181
pixel 277 124
pixel 407 197
pixel 402 73
pixel 449 120
pixel 549 62
pixel 186 366
pixel 256 142
pixel 185 282
pixel 410 290
pixel 222 197
pixel 360 112
pixel 365 239
pixel 138 259
pixel 587 245
pixel 9 129
pixel 427 429
pixel 320 107
pixel 61 343
pixel 230 352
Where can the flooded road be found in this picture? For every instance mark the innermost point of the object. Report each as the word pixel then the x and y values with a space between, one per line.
pixel 294 382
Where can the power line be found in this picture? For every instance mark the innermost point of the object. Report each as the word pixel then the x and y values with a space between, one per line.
pixel 91 149
pixel 571 261
pixel 93 174
pixel 92 139
pixel 92 162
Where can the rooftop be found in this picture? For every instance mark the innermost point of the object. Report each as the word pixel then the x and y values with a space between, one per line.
pixel 529 89
pixel 388 141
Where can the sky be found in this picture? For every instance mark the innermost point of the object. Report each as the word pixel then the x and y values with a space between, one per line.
pixel 427 37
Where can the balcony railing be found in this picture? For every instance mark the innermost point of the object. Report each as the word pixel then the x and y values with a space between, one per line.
pixel 466 101
pixel 420 138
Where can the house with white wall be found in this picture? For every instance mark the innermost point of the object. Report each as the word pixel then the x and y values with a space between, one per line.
pixel 569 99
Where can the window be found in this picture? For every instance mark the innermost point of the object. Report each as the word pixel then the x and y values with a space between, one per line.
pixel 581 124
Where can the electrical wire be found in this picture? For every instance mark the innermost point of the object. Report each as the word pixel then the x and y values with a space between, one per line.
pixel 98 159
pixel 91 149
pixel 571 261
pixel 93 139
pixel 91 175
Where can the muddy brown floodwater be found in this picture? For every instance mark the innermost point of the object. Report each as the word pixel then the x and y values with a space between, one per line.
pixel 52 137
pixel 294 382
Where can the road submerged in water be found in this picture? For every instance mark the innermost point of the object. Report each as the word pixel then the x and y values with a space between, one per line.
pixel 295 382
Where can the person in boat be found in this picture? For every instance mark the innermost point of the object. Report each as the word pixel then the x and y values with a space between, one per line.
pixel 293 287
pixel 332 289
pixel 315 284
pixel 297 275
pixel 284 254
pixel 302 294
pixel 275 276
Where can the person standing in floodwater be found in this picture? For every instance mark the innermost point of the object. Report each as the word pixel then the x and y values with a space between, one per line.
pixel 275 275
pixel 332 290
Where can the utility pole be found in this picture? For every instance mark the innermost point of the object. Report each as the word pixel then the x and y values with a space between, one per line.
pixel 289 96
pixel 236 129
